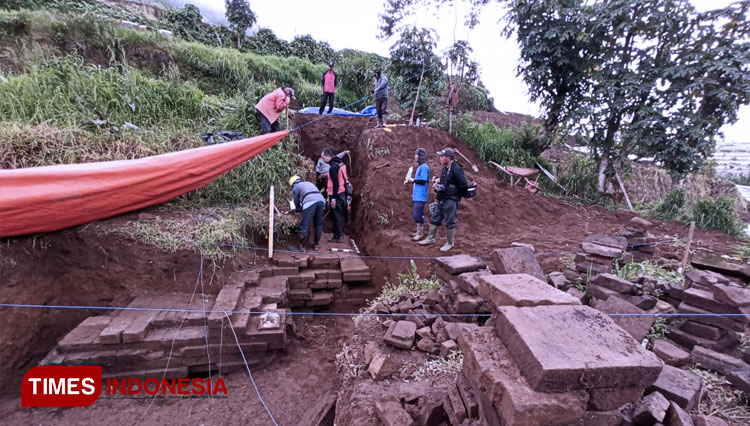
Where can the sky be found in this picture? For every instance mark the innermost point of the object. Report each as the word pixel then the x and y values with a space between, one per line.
pixel 354 24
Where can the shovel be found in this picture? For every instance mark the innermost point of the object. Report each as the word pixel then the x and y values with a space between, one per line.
pixel 473 166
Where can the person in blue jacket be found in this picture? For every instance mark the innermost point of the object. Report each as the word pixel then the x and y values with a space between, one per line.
pixel 419 193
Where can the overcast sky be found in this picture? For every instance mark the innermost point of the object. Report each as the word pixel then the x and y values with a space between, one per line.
pixel 347 24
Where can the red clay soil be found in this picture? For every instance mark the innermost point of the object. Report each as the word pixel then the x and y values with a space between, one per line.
pixel 499 215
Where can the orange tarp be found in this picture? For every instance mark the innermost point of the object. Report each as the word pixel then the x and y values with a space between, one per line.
pixel 42 199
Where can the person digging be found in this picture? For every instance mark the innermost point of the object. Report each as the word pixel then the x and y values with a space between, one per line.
pixel 449 188
pixel 308 200
pixel 337 178
pixel 270 107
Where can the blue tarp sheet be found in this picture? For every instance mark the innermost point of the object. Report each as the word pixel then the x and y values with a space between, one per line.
pixel 367 112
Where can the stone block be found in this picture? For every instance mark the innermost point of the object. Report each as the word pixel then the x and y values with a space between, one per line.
pixel 425 333
pixel 304 277
pixel 327 274
pixel 651 409
pixel 578 294
pixel 522 290
pixel 381 366
pixel 613 398
pixel 679 386
pixel 300 294
pixel 601 250
pixel 717 264
pixel 505 393
pixel 557 280
pixel 588 257
pixel 591 268
pixel 615 283
pixel 716 361
pixel 637 326
pixel 401 334
pixel 733 296
pixel 617 242
pixel 284 270
pixel 599 292
pixel 516 260
pixel 428 345
pixel 469 281
pixel 319 261
pixel 454 406
pixel 740 380
pixel 689 340
pixel 433 414
pixel 726 323
pixel 453 329
pixel 467 304
pixel 227 300
pixel 391 413
pixel 320 298
pixel 354 269
pixel 705 300
pixel 371 349
pixel 572 275
pixel 468 398
pixel 641 222
pixel 447 347
pixel 702 330
pixel 701 420
pixel 676 416
pixel 460 263
pixel 557 349
pixel 671 353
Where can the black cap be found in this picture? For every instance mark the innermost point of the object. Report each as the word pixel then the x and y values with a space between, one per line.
pixel 330 64
pixel 448 152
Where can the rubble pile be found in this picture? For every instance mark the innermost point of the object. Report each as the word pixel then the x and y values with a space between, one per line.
pixel 598 257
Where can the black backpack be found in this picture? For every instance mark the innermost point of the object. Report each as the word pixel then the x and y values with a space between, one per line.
pixel 470 191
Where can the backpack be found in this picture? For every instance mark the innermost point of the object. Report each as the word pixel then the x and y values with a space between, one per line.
pixel 470 191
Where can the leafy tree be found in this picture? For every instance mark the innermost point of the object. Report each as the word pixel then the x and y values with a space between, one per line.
pixel 265 42
pixel 307 48
pixel 410 56
pixel 240 18
pixel 185 23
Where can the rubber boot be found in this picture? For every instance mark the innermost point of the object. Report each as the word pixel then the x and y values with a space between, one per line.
pixel 449 234
pixel 420 232
pixel 380 122
pixel 384 121
pixel 430 236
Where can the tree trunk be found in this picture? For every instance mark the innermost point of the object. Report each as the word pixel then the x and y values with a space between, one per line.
pixel 601 185
pixel 239 41
pixel 617 165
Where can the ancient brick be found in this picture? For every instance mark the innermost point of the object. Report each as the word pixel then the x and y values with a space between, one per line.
pixel 469 281
pixel 320 298
pixel 557 351
pixel 516 260
pixel 717 264
pixel 702 330
pixel 676 416
pixel 382 366
pixel 679 386
pixel 689 340
pixel 591 268
pixel 599 292
pixel 601 250
pixel 354 267
pixel 726 323
pixel 651 409
pixel 392 414
pixel 460 263
pixel 468 398
pixel 615 283
pixel 717 361
pixel 454 406
pixel 227 300
pixel 466 304
pixel 300 294
pixel 447 347
pixel 328 274
pixel 733 296
pixel 705 300
pixel 606 399
pixel 557 280
pixel 671 353
pixel 522 290
pixel 637 326
pixel 401 334
pixel 617 242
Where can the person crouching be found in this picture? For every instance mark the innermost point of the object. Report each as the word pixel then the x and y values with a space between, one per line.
pixel 309 201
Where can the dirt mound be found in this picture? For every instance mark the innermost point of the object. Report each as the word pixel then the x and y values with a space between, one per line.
pixel 499 215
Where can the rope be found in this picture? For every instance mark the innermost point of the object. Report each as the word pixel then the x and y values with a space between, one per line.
pixel 249 373
pixel 323 314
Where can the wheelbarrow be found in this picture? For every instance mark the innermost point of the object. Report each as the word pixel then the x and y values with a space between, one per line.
pixel 521 174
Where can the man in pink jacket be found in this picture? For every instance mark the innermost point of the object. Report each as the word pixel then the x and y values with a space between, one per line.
pixel 270 107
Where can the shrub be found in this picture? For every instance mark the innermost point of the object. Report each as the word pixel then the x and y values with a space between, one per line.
pixel 719 214
pixel 672 207
pixel 494 144
pixel 578 175
pixel 740 178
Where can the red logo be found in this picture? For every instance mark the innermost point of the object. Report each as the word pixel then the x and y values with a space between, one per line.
pixel 61 386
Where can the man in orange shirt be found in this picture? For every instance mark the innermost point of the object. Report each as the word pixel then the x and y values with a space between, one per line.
pixel 329 88
pixel 270 107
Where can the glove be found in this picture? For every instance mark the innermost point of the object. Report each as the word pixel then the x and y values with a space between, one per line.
pixel 439 187
pixel 408 177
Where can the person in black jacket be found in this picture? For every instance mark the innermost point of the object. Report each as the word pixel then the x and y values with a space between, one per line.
pixel 449 189
pixel 329 81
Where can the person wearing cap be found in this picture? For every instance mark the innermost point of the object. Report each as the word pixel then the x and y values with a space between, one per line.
pixel 321 170
pixel 381 97
pixel 308 200
pixel 330 79
pixel 419 193
pixel 449 189
pixel 270 107
pixel 337 179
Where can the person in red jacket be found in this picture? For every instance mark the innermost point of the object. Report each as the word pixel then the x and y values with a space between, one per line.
pixel 329 88
pixel 270 107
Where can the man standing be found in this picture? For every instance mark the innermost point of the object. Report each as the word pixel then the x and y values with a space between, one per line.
pixel 309 201
pixel 452 184
pixel 329 88
pixel 381 97
pixel 321 170
pixel 337 179
pixel 419 194
pixel 270 107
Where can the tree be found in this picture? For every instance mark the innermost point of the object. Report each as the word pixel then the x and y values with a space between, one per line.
pixel 410 55
pixel 265 42
pixel 240 18
pixel 185 23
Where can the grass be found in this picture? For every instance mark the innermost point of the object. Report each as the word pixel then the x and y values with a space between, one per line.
pixel 347 365
pixel 631 271
pixel 718 214
pixel 671 208
pixel 720 399
pixel 743 252
pixel 491 143
pixel 658 330
pixel 410 283
pixel 452 364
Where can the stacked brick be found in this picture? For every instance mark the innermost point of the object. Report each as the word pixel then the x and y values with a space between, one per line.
pixel 460 292
pixel 315 281
pixel 149 341
pixel 599 255
pixel 546 359
pixel 639 240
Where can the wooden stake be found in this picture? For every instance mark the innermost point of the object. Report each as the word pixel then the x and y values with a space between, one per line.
pixel 270 225
pixel 687 248
pixel 411 119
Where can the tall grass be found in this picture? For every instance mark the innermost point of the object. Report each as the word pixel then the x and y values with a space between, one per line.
pixel 672 207
pixel 578 175
pixel 494 144
pixel 718 214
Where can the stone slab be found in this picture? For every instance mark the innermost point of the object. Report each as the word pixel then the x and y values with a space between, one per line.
pixel 460 263
pixel 320 298
pixel 637 326
pixel 391 413
pixel 564 347
pixel 469 281
pixel 467 304
pixel 702 330
pixel 671 353
pixel 599 292
pixel 676 416
pixel 353 265
pixel 716 361
pixel 615 283
pixel 702 420
pixel 85 334
pixel 689 340
pixel 592 268
pixel 516 260
pixel 227 300
pixel 522 290
pixel 381 366
pixel 454 406
pixel 740 380
pixel 604 240
pixel 733 296
pixel 705 300
pixel 601 250
pixel 704 317
pixel 329 262
pixel 467 396
pixel 680 386
pixel 704 278
pixel 401 334
pixel 328 274
pixel 717 264
pixel 651 409
pixel 503 391
pixel 613 398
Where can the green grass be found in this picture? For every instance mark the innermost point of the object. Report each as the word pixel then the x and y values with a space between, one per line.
pixel 491 143
pixel 409 283
pixel 631 271
pixel 671 208
pixel 743 252
pixel 718 214
pixel 450 365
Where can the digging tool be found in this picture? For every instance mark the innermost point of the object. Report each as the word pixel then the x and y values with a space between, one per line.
pixel 380 166
pixel 342 250
pixel 473 166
